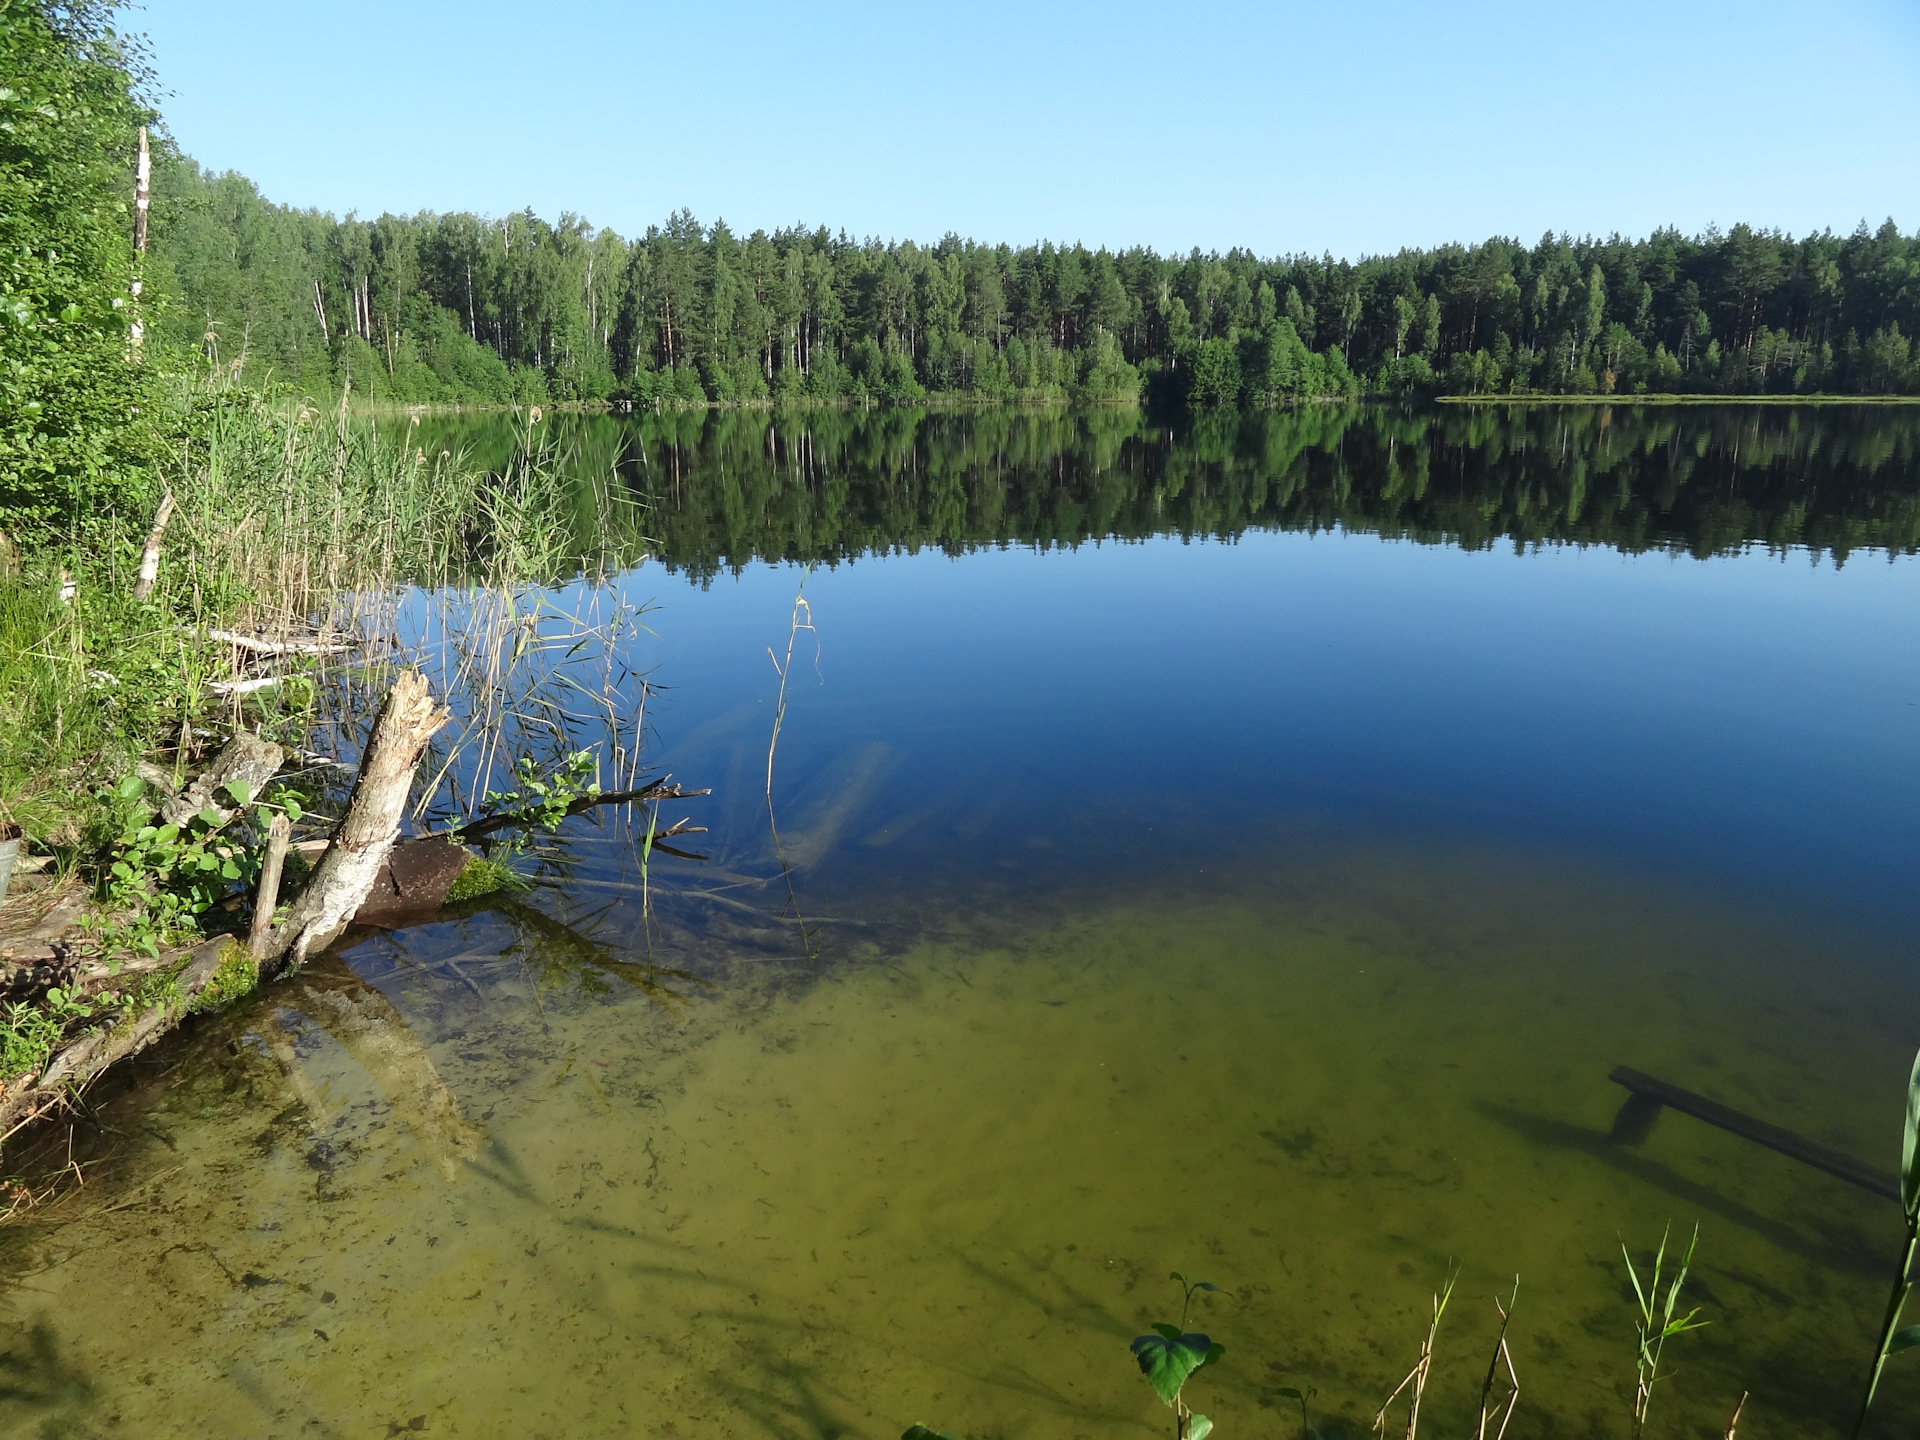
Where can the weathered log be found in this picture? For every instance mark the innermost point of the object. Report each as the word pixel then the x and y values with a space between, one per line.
pixel 245 760
pixel 267 897
pixel 365 835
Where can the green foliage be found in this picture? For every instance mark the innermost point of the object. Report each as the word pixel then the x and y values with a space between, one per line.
pixel 30 1031
pixel 926 1432
pixel 456 307
pixel 541 799
pixel 237 974
pixel 76 438
pixel 1172 1355
pixel 164 878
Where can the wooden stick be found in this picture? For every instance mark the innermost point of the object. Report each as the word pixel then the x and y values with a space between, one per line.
pixel 365 835
pixel 1797 1147
pixel 150 557
pixel 268 895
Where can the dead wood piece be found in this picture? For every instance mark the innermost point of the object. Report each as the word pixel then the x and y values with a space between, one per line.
pixel 660 790
pixel 57 921
pixel 365 835
pixel 414 882
pixel 244 687
pixel 1798 1147
pixel 164 781
pixel 267 897
pixel 246 759
pixel 262 645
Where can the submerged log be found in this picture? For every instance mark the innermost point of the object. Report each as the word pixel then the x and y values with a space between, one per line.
pixel 364 838
pixel 1648 1095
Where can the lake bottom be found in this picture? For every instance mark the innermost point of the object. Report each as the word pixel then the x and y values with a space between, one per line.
pixel 464 1184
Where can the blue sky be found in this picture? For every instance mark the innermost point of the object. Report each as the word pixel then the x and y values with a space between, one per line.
pixel 1281 127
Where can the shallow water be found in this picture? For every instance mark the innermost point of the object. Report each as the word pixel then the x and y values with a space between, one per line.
pixel 1270 908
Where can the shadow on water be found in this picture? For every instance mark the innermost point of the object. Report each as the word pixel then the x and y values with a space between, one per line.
pixel 1848 1252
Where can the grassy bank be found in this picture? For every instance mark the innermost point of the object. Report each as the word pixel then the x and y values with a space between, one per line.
pixel 291 538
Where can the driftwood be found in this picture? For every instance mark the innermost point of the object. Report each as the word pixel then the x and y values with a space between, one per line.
pixel 365 835
pixel 246 760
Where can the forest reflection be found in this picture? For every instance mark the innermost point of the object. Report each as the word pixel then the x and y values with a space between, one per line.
pixel 723 489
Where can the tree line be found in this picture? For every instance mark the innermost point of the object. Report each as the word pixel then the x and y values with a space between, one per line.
pixel 461 307
pixel 726 488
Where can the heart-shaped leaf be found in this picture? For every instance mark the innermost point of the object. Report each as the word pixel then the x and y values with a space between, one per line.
pixel 1168 1358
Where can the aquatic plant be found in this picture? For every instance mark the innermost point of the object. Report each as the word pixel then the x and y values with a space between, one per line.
pixel 1893 1339
pixel 1171 1356
pixel 1300 1398
pixel 1416 1381
pixel 1657 1322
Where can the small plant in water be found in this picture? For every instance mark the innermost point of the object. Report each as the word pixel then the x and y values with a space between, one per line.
pixel 1657 1323
pixel 1300 1398
pixel 1893 1339
pixel 1171 1355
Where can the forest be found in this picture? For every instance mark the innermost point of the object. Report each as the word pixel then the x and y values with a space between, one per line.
pixel 465 308
pixel 724 489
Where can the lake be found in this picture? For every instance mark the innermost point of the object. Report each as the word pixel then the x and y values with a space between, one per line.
pixel 1240 845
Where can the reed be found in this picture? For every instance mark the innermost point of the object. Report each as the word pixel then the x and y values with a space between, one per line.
pixel 1658 1321
pixel 1894 1339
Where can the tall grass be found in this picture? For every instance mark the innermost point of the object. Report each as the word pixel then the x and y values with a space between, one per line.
pixel 290 520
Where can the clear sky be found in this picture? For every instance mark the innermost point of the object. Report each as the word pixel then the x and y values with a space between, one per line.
pixel 1282 127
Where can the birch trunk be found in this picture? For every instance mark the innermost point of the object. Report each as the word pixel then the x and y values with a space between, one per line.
pixel 366 833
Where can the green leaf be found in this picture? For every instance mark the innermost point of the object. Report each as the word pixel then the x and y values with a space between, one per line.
pixel 1198 1426
pixel 1167 1362
pixel 1290 1393
pixel 294 812
pixel 131 788
pixel 239 790
pixel 1171 1332
pixel 210 818
pixel 165 835
pixel 1904 1339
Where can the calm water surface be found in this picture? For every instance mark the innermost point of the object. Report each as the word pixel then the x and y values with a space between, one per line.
pixel 1242 847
